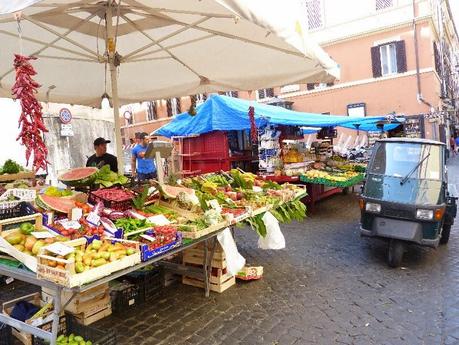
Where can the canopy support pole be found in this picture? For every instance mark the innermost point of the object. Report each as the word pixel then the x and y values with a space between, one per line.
pixel 111 49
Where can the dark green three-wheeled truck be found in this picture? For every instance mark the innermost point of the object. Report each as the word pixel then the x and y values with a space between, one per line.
pixel 405 197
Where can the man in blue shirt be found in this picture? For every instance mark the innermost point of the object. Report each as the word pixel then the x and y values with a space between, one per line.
pixel 457 142
pixel 142 167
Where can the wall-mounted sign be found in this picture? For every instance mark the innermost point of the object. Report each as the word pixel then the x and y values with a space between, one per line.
pixel 65 115
pixel 356 110
pixel 66 130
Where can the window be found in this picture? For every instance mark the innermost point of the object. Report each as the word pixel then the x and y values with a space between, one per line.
pixel 265 93
pixel 200 98
pixel 315 14
pixel 383 4
pixel 173 106
pixel 389 58
pixel 152 111
pixel 234 94
pixel 318 86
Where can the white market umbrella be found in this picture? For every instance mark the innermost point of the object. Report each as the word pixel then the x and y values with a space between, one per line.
pixel 137 50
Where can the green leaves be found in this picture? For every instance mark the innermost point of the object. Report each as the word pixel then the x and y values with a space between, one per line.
pixel 257 224
pixel 139 201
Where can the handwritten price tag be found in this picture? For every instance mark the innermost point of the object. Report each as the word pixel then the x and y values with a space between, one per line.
pixel 60 249
pixel 93 218
pixel 148 238
pixel 70 224
pixel 42 234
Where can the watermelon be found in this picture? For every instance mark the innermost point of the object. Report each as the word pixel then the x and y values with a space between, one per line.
pixel 63 205
pixel 79 177
pixel 171 192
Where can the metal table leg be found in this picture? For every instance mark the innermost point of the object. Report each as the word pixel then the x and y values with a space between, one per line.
pixel 56 314
pixel 206 276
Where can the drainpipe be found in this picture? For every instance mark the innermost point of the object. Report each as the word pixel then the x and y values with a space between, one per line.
pixel 419 96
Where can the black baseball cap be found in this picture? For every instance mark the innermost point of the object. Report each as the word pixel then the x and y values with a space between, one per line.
pixel 100 141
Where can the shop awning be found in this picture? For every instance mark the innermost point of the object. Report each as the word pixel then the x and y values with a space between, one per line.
pixel 228 113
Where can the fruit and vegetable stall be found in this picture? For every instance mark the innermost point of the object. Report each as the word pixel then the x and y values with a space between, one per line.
pixel 97 227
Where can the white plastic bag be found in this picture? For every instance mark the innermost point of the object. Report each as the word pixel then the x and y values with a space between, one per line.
pixel 274 238
pixel 234 260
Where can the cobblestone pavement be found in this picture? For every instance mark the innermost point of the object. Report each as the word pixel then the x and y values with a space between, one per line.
pixel 330 286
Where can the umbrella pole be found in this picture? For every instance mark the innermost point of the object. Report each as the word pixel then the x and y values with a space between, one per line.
pixel 111 48
pixel 116 114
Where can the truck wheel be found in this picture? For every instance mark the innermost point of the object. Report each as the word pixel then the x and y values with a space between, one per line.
pixel 395 253
pixel 445 233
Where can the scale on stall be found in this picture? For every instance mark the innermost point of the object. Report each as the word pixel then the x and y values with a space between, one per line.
pixel 156 150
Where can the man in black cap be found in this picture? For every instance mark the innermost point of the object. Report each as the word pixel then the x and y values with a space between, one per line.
pixel 101 157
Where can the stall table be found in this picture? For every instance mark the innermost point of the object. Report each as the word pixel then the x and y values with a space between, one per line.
pixel 30 277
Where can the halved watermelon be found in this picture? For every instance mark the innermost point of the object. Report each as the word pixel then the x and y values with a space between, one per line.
pixel 171 192
pixel 63 205
pixel 79 177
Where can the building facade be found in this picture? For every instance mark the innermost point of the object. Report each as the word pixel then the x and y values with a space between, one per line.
pixel 396 56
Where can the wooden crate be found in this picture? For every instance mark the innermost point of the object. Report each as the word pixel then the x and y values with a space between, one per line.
pixel 216 287
pixel 68 278
pixel 220 279
pixel 199 233
pixel 28 260
pixel 87 303
pixel 35 299
pixel 86 319
pixel 19 176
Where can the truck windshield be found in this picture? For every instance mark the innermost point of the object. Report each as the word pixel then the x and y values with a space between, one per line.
pixel 398 159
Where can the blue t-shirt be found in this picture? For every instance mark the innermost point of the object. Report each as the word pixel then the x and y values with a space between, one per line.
pixel 144 166
pixel 457 141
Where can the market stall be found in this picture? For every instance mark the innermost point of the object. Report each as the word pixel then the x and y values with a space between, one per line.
pixel 72 242
pixel 279 151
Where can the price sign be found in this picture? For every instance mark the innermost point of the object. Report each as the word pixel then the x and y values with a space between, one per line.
pixel 159 220
pixel 70 224
pixel 42 234
pixel 60 249
pixel 93 218
pixel 148 238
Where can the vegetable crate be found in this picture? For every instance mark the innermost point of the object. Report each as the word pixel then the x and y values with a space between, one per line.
pixel 148 281
pixel 68 278
pixel 96 336
pixel 44 322
pixel 197 233
pixel 20 210
pixel 121 205
pixel 220 279
pixel 13 229
pixel 88 307
pixel 20 194
pixel 250 273
pixel 147 253
pixel 124 295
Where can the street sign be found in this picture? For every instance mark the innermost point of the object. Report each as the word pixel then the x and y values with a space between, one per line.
pixel 65 115
pixel 66 130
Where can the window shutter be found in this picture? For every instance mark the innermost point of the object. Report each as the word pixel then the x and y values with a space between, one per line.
pixel 376 61
pixel 401 56
pixel 437 59
pixel 270 92
pixel 179 105
pixel 310 86
pixel 169 107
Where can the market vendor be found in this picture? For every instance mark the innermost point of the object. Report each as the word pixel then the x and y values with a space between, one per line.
pixel 143 168
pixel 101 157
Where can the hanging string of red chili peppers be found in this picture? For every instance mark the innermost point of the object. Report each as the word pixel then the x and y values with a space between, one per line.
pixel 31 119
pixel 253 125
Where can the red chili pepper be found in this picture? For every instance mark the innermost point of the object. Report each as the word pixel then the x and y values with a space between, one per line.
pixel 31 122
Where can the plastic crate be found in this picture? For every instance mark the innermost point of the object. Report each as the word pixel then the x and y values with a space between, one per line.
pixel 5 334
pixel 27 195
pixel 71 325
pixel 20 210
pixel 148 282
pixel 124 295
pixel 114 205
pixel 62 329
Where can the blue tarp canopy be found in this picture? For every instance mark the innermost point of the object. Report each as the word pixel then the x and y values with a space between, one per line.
pixel 222 113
